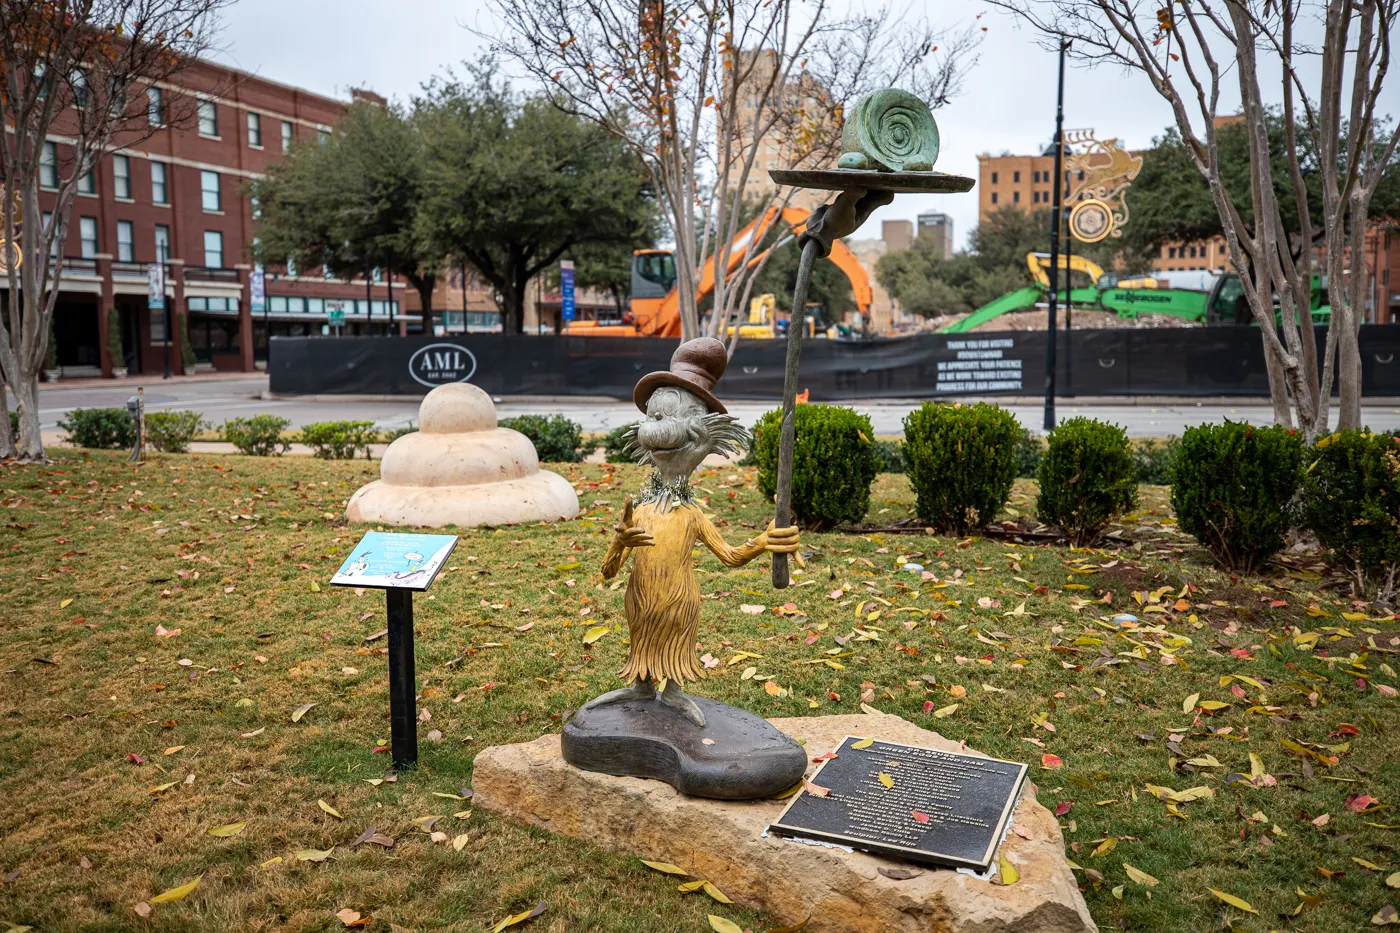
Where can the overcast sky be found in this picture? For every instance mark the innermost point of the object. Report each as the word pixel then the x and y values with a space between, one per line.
pixel 1008 102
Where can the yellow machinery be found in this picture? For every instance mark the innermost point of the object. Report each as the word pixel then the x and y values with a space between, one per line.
pixel 763 321
pixel 1039 263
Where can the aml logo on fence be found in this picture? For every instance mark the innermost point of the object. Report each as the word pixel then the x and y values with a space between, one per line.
pixel 440 363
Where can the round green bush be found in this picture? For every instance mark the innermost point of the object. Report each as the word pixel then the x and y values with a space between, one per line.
pixel 1087 478
pixel 259 436
pixel 962 463
pixel 172 431
pixel 1232 489
pixel 833 463
pixel 556 438
pixel 1351 501
pixel 339 440
pixel 100 428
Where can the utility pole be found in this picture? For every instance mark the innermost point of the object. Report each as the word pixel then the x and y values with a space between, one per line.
pixel 1050 332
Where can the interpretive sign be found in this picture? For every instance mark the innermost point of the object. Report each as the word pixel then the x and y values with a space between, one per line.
pixel 907 802
pixel 400 565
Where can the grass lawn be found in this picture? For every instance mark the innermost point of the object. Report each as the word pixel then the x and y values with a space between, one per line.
pixel 120 747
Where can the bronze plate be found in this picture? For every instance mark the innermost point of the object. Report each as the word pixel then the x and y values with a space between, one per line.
pixel 842 179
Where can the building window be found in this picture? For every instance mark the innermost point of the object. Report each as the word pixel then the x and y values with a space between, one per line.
pixel 286 135
pixel 994 197
pixel 1016 177
pixel 1015 197
pixel 126 247
pixel 78 81
pixel 1193 252
pixel 87 184
pixel 209 190
pixel 162 242
pixel 48 166
pixel 1035 197
pixel 323 137
pixel 994 178
pixel 213 249
pixel 155 106
pixel 160 194
pixel 291 268
pixel 208 118
pixel 87 233
pixel 1171 252
pixel 121 176
pixel 1035 177
pixel 255 129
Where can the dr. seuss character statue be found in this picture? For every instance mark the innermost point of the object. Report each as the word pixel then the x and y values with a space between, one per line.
pixel 685 423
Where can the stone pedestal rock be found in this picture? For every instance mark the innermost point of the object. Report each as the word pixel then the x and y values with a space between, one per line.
pixel 722 841
pixel 458 468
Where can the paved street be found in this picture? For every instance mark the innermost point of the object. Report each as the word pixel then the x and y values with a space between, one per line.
pixel 230 397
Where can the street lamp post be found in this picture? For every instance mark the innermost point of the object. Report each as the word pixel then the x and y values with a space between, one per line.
pixel 1058 195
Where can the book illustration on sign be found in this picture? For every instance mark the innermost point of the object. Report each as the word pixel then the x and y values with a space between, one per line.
pixel 399 561
pixel 907 802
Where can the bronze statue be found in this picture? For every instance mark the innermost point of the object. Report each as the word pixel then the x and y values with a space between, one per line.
pixel 684 424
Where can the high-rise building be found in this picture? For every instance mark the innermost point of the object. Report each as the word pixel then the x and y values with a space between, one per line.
pixel 801 100
pixel 897 234
pixel 173 195
pixel 938 227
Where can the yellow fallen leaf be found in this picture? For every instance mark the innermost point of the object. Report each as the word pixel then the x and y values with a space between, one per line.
pixel 863 743
pixel 301 711
pixel 174 748
pixel 885 779
pixel 460 842
pixel 1393 881
pixel 314 855
pixel 1212 705
pixel 946 711
pixel 1140 876
pixel 327 808
pixel 162 788
pixel 177 894
pixel 592 635
pixel 228 829
pixel 1188 704
pixel 715 893
pixel 1232 900
pixel 721 925
pixel 66 603
pixel 1371 866
pixel 1106 846
pixel 1007 872
pixel 519 918
pixel 275 860
pixel 667 867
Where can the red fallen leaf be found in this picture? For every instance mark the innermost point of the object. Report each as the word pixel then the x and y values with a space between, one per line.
pixel 919 817
pixel 1358 802
pixel 378 749
pixel 135 758
pixel 1050 762
pixel 1277 603
pixel 816 790
pixel 833 695
pixel 1240 653
pixel 827 756
pixel 1345 728
pixel 1237 690
pixel 928 706
pixel 1063 807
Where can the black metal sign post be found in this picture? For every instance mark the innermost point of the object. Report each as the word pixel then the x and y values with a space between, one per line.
pixel 398 564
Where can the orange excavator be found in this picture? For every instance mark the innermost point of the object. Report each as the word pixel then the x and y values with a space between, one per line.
pixel 655 310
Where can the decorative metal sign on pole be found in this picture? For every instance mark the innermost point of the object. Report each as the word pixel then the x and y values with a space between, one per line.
pixel 400 565
pixel 155 301
pixel 1051 337
pixel 567 308
pixel 889 144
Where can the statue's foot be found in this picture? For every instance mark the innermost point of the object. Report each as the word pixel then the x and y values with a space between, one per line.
pixel 640 690
pixel 674 698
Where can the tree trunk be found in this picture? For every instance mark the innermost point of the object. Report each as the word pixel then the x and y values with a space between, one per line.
pixel 424 286
pixel 7 437
pixel 31 446
pixel 1278 388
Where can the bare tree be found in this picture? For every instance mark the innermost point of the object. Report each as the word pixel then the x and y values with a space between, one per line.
pixel 74 80
pixel 701 89
pixel 1188 51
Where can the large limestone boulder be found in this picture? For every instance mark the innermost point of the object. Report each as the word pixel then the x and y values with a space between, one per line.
pixel 458 468
pixel 723 841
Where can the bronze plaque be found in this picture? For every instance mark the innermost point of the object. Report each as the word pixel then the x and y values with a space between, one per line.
pixel 908 802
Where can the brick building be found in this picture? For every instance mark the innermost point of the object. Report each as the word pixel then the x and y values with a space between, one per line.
pixel 173 192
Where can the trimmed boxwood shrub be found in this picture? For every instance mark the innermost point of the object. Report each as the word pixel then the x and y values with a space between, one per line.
pixel 833 463
pixel 100 428
pixel 1154 459
pixel 1029 450
pixel 890 456
pixel 962 463
pixel 1351 501
pixel 556 438
pixel 1087 478
pixel 172 431
pixel 260 435
pixel 339 440
pixel 615 442
pixel 1232 489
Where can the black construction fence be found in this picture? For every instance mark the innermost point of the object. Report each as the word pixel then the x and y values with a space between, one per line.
pixel 1195 361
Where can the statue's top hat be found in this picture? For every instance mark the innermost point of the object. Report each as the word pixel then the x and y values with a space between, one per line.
pixel 695 366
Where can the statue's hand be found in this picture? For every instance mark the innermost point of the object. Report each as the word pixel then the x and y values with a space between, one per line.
pixel 628 534
pixel 780 540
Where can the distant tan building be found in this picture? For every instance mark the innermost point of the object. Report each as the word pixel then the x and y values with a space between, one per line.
pixel 804 96
pixel 938 228
pixel 886 316
pixel 897 234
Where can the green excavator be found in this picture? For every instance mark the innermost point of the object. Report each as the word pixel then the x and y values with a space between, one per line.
pixel 1223 303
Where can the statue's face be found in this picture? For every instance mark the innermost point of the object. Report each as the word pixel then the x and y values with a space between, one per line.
pixel 676 433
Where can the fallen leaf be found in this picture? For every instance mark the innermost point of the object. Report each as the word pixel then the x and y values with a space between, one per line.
pixel 816 790
pixel 255 732
pixel 589 637
pixel 314 855
pixel 885 779
pixel 666 867
pixel 1050 762
pixel 1188 704
pixel 721 925
pixel 352 918
pixel 301 711
pixel 1008 874
pixel 863 743
pixel 177 894
pixel 1386 916
pixel 945 712
pixel 228 829
pixel 512 920
pixel 460 842
pixel 1140 876
pixel 142 910
pixel 327 808
pixel 896 874
pixel 1232 900
pixel 919 817
pixel 714 892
